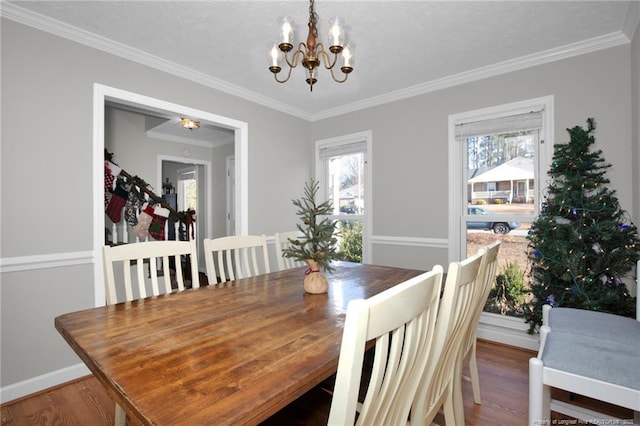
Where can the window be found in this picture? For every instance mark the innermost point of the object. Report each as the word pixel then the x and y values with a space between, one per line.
pixel 187 191
pixel 497 163
pixel 343 169
pixel 188 188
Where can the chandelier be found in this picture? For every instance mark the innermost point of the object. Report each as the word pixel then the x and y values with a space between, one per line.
pixel 310 53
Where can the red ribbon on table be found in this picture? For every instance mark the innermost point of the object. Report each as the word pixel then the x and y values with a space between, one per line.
pixel 308 271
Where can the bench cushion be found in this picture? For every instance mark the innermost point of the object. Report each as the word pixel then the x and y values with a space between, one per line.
pixel 601 359
pixel 599 325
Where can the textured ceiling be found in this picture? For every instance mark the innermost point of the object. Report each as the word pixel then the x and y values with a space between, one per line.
pixel 400 46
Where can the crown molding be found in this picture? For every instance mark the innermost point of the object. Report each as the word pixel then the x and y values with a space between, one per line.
pixel 18 14
pixel 32 19
pixel 528 61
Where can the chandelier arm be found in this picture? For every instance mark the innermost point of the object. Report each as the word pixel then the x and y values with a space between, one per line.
pixel 286 79
pixel 325 57
pixel 333 76
pixel 326 60
pixel 296 56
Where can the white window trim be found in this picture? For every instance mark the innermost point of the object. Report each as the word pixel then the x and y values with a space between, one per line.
pixel 545 153
pixel 495 327
pixel 365 136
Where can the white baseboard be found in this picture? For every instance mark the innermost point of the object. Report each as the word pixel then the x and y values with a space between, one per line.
pixel 40 383
pixel 506 330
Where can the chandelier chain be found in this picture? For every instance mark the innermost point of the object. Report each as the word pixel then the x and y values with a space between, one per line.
pixel 313 19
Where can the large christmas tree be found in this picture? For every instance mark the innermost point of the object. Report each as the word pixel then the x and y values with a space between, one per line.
pixel 582 244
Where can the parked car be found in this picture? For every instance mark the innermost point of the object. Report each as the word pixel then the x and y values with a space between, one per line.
pixel 350 209
pixel 497 227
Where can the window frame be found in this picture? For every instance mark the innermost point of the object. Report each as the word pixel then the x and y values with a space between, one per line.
pixel 496 327
pixel 457 162
pixel 321 175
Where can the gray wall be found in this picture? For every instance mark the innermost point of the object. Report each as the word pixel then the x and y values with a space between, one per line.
pixel 47 85
pixel 635 120
pixel 46 165
pixel 410 141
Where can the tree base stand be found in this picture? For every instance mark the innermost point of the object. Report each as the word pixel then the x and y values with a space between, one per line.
pixel 314 281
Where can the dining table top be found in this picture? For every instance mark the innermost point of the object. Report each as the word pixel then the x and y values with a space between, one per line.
pixel 231 353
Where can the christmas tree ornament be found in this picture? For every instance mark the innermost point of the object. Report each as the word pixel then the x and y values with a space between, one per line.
pixel 156 228
pixel 117 203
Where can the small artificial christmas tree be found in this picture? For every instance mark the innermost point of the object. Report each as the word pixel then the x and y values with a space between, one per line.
pixel 319 240
pixel 581 244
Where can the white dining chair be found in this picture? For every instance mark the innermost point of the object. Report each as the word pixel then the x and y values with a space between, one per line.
pixel 282 242
pixel 436 386
pixel 136 258
pixel 487 274
pixel 235 257
pixel 401 320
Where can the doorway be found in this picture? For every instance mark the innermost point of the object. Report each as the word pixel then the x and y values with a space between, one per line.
pixel 190 179
pixel 104 95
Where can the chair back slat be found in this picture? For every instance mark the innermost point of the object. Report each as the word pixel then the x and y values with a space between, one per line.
pixel 282 241
pixel 235 257
pixel 146 258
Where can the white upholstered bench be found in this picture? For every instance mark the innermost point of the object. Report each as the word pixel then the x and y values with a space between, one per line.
pixel 588 353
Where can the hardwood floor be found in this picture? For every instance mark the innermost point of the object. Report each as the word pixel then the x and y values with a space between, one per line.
pixel 503 380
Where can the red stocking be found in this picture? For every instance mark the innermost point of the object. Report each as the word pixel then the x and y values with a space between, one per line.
pixel 116 204
pixel 111 171
pixel 156 229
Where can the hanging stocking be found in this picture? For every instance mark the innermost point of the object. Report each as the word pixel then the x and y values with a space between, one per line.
pixel 156 229
pixel 111 171
pixel 132 206
pixel 117 202
pixel 144 220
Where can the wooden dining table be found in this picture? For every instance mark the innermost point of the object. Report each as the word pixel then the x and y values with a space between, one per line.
pixel 231 353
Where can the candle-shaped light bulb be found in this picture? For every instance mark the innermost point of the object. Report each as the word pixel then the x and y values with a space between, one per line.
pixel 347 56
pixel 336 35
pixel 274 55
pixel 274 58
pixel 286 32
